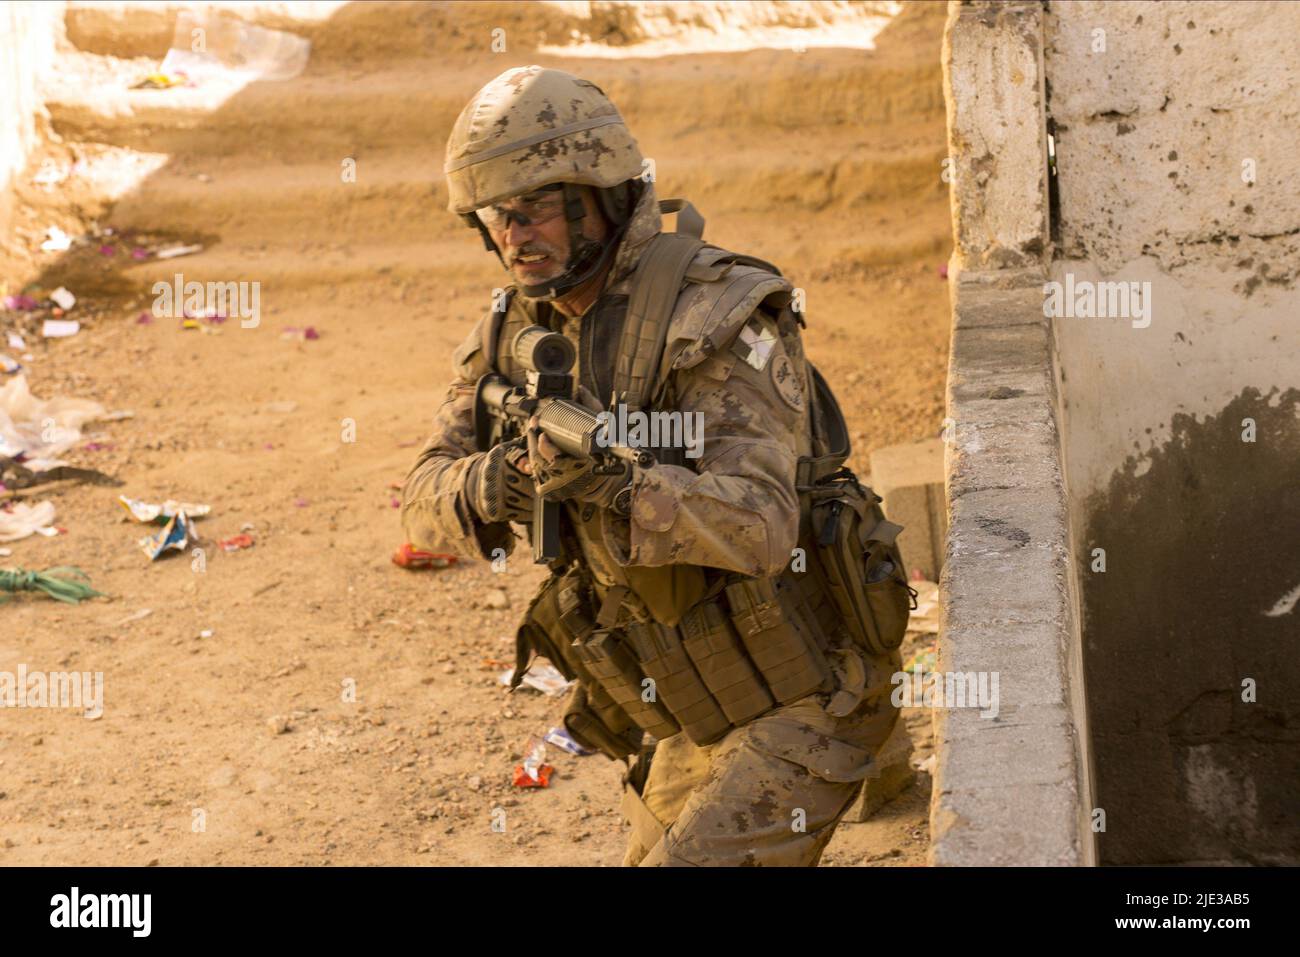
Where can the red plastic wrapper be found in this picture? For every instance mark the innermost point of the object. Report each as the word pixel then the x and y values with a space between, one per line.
pixel 408 556
pixel 525 780
pixel 235 543
pixel 534 772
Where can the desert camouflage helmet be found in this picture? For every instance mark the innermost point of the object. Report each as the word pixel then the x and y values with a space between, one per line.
pixel 531 127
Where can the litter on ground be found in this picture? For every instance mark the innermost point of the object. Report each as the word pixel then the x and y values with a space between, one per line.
pixel 21 520
pixel 177 535
pixel 40 429
pixel 63 583
pixel 235 50
pixel 533 772
pixel 160 514
pixel 235 543
pixel 561 738
pixel 57 241
pixel 541 676
pixel 60 328
pixel 408 556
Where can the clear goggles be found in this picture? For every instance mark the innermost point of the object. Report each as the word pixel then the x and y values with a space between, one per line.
pixel 531 209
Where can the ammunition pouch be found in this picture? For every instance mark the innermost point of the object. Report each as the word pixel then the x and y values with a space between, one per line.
pixel 724 667
pixel 747 647
pixel 862 570
pixel 663 659
pixel 614 667
pixel 780 636
pixel 588 727
pixel 556 623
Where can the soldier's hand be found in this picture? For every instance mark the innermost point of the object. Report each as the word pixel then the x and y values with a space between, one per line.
pixel 553 469
pixel 497 486
pixel 543 454
pixel 561 477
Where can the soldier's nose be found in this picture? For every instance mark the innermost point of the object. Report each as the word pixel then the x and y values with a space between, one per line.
pixel 516 235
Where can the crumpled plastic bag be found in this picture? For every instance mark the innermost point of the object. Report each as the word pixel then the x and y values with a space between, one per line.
pixel 40 429
pixel 26 520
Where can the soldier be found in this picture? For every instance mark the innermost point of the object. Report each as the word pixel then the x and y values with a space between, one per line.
pixel 683 604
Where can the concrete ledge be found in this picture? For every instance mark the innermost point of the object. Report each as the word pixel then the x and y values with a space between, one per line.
pixel 1011 770
pixel 1007 786
pixel 976 829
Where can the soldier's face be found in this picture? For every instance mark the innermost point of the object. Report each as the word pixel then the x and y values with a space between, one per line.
pixel 540 250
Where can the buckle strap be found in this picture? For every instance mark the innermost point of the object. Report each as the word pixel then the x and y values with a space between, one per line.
pixel 607 617
pixel 811 469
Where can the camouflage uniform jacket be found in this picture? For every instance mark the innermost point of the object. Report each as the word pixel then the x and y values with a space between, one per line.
pixel 734 507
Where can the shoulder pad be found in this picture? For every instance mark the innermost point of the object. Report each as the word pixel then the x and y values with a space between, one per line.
pixel 717 299
pixel 468 360
pixel 471 358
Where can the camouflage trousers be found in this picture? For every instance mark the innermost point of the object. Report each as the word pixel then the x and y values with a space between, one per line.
pixel 771 792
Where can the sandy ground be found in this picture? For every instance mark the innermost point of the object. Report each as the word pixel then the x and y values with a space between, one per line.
pixel 240 747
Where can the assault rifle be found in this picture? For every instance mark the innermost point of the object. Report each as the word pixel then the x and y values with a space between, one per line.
pixel 502 411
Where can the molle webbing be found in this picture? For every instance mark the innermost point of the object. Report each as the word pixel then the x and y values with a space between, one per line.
pixel 659 277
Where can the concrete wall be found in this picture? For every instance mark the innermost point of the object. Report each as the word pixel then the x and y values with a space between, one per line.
pixel 27 37
pixel 1177 127
pixel 1125 520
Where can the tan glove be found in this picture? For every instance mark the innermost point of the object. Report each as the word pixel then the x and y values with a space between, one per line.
pixel 497 488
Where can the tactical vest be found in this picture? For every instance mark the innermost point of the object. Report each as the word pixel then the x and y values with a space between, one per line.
pixel 702 650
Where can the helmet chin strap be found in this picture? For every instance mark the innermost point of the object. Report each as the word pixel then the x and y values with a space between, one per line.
pixel 587 263
pixel 586 256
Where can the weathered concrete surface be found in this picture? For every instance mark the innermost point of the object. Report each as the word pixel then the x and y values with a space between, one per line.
pixel 1176 131
pixel 993 67
pixel 1011 781
pixel 1155 131
pixel 1006 603
pixel 28 32
pixel 909 478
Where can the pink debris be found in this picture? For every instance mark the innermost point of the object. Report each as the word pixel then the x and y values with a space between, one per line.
pixel 293 332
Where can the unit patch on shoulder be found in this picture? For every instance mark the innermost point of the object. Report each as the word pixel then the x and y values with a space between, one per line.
pixel 755 343
pixel 786 381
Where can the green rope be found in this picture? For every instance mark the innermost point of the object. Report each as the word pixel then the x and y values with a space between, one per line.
pixel 64 583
